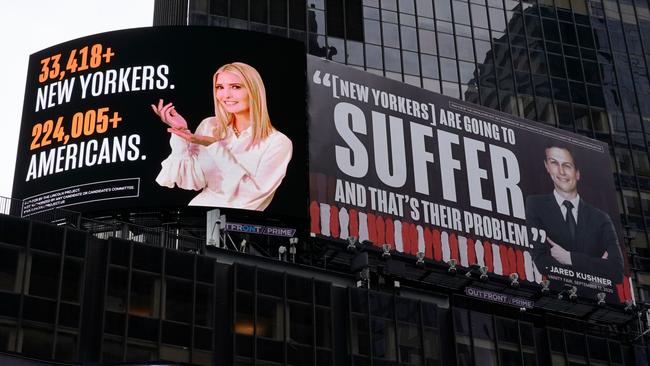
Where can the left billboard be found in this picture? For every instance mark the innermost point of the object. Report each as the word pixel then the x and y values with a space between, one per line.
pixel 168 116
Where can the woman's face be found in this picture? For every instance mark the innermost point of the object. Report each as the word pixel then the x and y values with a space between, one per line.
pixel 232 93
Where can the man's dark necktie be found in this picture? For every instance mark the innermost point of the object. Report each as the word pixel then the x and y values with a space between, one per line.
pixel 570 219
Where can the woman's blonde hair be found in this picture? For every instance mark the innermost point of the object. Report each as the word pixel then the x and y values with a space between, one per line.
pixel 259 114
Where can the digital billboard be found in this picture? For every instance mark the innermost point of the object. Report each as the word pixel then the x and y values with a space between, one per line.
pixel 166 116
pixel 395 164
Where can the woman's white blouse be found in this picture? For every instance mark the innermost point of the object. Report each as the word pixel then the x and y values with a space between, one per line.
pixel 230 172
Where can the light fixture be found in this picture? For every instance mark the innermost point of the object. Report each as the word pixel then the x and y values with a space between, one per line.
pixel 292 248
pixel 600 298
pixel 570 291
pixel 282 251
pixel 514 279
pixel 242 246
pixel 545 286
pixel 629 306
pixel 364 276
pixel 292 252
pixel 452 266
pixel 385 251
pixel 420 259
pixel 573 293
pixel 483 270
pixel 352 243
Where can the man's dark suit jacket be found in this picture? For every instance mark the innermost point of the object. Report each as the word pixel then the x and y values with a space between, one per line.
pixel 595 235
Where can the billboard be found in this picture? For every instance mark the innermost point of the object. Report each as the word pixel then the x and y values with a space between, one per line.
pixel 166 116
pixel 399 165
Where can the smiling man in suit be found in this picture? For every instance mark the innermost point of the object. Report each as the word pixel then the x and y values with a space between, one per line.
pixel 580 239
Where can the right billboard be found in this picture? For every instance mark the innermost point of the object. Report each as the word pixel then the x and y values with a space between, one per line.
pixel 395 164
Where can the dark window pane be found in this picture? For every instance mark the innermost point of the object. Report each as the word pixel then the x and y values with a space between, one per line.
pixel 245 277
pixel 482 326
pixel 8 268
pixel 299 288
pixel 431 346
pixel 271 283
pixel 278 12
pixel 507 330
pixel 383 339
pixel 244 314
pixel 178 301
pixel 37 342
pixel 72 280
pixel 270 318
pixel 575 344
pixel 116 293
pixel 179 264
pixel 147 258
pixel 140 353
pixel 203 305
pixel 407 310
pixel 259 11
pixel 509 357
pixel 353 20
pixel 39 310
pixel 410 349
pixel 65 347
pixel 177 334
pixel 114 323
pixel 598 348
pixel 47 237
pixel 7 338
pixel 120 251
pixel 300 355
pixel 381 305
pixel 527 335
pixel 112 351
pixel 203 338
pixel 13 230
pixel 300 323
pixel 297 14
pixel 44 276
pixel 239 9
pixel 69 315
pixel 219 7
pixel 358 300
pixel 323 293
pixel 335 18
pixel 9 304
pixel 323 328
pixel 75 243
pixel 143 328
pixel 145 295
pixel 270 350
pixel 243 345
pixel 556 340
pixel 360 336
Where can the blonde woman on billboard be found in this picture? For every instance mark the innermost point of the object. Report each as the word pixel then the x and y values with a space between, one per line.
pixel 236 158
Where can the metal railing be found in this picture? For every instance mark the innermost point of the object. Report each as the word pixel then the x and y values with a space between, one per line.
pixel 168 236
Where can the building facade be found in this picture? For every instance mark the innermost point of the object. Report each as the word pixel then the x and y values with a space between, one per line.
pixel 83 291
pixel 577 65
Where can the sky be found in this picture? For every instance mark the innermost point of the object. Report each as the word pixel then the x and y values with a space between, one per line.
pixel 28 26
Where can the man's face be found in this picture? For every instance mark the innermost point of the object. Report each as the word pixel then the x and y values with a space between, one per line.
pixel 560 166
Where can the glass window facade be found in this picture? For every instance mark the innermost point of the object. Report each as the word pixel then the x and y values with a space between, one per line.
pixel 574 64
pixel 94 300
